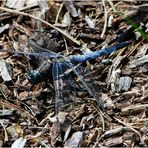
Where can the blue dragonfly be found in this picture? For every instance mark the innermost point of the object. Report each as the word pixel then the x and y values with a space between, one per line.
pixel 61 69
pixel 57 65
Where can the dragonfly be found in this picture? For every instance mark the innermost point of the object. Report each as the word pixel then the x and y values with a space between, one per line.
pixel 62 69
pixel 57 66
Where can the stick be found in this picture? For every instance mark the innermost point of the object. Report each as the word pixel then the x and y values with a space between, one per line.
pixel 128 126
pixel 105 19
pixel 45 22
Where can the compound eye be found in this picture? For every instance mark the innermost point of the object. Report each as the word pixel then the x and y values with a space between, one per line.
pixel 34 76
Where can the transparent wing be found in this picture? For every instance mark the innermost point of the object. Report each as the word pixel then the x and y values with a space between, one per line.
pixel 65 76
pixel 57 71
pixel 80 72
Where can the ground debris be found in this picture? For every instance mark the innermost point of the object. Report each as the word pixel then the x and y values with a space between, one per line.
pixel 75 141
pixel 101 101
pixel 19 143
pixel 5 70
pixel 124 83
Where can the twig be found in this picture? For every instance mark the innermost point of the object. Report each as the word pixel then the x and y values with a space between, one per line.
pixel 67 52
pixel 45 22
pixel 112 5
pixel 101 116
pixel 105 19
pixel 6 135
pixel 29 108
pixel 128 126
pixel 134 48
pixel 133 108
pixel 57 17
pixel 13 106
pixel 22 9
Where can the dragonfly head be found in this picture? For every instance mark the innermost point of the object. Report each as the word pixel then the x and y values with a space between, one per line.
pixel 34 76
